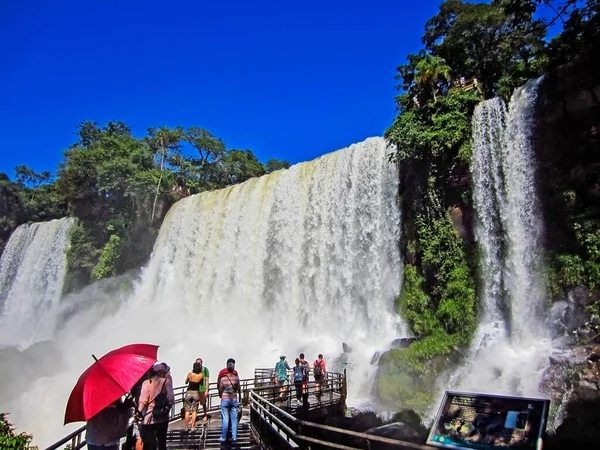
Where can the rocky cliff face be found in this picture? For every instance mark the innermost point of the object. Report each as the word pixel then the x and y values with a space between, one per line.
pixel 567 143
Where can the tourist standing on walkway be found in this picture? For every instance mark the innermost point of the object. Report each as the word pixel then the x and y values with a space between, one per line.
pixel 192 396
pixel 281 374
pixel 204 386
pixel 298 377
pixel 306 371
pixel 105 430
pixel 319 371
pixel 156 400
pixel 229 388
pixel 305 366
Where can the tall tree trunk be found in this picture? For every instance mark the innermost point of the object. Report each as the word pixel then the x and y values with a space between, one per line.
pixel 162 161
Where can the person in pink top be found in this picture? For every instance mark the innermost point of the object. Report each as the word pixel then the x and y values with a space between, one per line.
pixel 154 390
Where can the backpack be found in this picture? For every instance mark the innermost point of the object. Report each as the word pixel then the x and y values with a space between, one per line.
pixel 281 370
pixel 318 370
pixel 161 406
pixel 298 373
pixel 305 370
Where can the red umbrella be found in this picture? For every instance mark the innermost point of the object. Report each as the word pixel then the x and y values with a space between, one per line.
pixel 107 379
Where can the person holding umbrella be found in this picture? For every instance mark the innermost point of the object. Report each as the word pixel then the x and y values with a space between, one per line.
pixel 105 430
pixel 156 400
pixel 96 398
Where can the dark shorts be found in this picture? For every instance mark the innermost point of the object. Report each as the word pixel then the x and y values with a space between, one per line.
pixel 319 377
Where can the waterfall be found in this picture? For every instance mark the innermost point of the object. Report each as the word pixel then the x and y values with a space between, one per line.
pixel 32 270
pixel 510 348
pixel 299 260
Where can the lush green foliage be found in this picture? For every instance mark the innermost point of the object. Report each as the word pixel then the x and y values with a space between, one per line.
pixel 581 267
pixel 9 439
pixel 119 187
pixel 494 47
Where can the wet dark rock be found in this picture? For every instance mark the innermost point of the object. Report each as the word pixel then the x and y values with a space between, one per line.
pixel 581 426
pixel 346 348
pixel 572 383
pixel 398 430
pixel 570 319
pixel 403 342
pixel 375 358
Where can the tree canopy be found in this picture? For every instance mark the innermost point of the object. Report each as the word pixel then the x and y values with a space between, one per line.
pixel 120 186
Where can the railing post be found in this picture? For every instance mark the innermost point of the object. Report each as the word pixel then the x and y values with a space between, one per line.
pixel 344 387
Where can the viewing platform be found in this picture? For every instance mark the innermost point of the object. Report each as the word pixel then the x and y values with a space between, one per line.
pixel 267 421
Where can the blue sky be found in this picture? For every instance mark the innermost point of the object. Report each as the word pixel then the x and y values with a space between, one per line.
pixel 289 80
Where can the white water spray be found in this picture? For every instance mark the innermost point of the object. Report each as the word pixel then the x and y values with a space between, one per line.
pixel 32 271
pixel 510 348
pixel 299 260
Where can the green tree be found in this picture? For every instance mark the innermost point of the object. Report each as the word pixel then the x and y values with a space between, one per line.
pixel 430 73
pixel 580 36
pixel 10 439
pixel 211 151
pixel 26 176
pixel 276 164
pixel 163 141
pixel 483 40
pixel 239 166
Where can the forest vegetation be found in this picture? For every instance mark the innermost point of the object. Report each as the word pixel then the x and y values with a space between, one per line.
pixel 494 48
pixel 119 187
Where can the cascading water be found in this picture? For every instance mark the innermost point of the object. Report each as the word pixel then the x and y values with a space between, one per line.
pixel 299 260
pixel 510 348
pixel 32 270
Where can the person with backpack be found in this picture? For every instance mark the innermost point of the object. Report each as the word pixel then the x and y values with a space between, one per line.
pixel 306 371
pixel 156 399
pixel 319 373
pixel 281 374
pixel 298 377
pixel 229 390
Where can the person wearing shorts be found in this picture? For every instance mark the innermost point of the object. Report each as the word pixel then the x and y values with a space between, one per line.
pixel 204 385
pixel 192 396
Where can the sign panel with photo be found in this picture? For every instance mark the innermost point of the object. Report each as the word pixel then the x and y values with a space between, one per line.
pixel 485 421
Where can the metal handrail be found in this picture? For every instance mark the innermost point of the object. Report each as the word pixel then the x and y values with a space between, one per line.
pixel 257 405
pixel 74 437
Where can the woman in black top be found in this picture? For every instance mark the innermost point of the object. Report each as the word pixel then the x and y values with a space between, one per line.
pixel 192 396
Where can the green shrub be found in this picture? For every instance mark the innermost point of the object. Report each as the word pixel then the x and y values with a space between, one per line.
pixel 108 265
pixel 9 439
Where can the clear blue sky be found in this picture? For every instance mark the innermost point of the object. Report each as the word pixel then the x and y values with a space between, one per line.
pixel 287 79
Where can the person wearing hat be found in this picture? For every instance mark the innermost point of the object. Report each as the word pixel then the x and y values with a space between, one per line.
pixel 281 374
pixel 229 389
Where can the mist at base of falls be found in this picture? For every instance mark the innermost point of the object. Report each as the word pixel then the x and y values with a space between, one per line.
pixel 300 260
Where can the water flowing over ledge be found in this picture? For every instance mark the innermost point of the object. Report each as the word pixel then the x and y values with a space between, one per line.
pixel 299 260
pixel 32 272
pixel 510 348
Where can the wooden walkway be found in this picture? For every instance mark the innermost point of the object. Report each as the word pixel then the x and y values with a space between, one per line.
pixel 207 434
